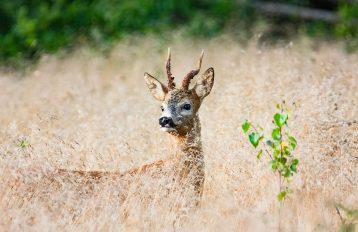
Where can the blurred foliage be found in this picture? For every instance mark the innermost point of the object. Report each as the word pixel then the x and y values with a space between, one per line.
pixel 347 28
pixel 30 28
pixel 349 218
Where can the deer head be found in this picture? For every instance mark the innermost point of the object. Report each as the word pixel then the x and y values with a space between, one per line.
pixel 180 105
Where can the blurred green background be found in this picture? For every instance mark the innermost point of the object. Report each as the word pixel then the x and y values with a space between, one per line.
pixel 31 28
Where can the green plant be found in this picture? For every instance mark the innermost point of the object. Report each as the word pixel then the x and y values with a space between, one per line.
pixel 278 147
pixel 346 28
pixel 24 143
pixel 31 28
pixel 349 218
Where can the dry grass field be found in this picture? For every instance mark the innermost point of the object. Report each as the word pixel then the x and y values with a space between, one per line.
pixel 85 111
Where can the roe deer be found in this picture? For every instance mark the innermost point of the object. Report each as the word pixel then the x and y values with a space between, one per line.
pixel 180 119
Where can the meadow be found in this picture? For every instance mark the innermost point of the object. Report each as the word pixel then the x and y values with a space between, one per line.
pixel 88 111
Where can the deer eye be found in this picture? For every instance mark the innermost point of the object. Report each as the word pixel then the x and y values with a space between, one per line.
pixel 162 108
pixel 187 107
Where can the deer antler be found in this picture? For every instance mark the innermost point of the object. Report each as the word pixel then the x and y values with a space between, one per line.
pixel 171 84
pixel 192 73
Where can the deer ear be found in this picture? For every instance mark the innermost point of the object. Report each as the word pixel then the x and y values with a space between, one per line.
pixel 204 85
pixel 157 89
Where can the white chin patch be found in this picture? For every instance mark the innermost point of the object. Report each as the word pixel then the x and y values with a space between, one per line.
pixel 167 129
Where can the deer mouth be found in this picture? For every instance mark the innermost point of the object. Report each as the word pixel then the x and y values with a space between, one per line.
pixel 169 127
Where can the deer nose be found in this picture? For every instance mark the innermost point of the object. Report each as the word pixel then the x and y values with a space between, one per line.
pixel 165 120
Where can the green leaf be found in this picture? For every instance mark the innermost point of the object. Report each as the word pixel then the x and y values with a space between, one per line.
pixel 245 126
pixel 273 165
pixel 276 154
pixel 286 171
pixel 269 143
pixel 280 119
pixel 259 154
pixel 286 151
pixel 281 196
pixel 255 139
pixel 283 160
pixel 292 142
pixel 294 161
pixel 24 143
pixel 281 167
pixel 276 134
pixel 293 168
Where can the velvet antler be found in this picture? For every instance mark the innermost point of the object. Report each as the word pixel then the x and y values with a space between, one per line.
pixel 192 74
pixel 171 84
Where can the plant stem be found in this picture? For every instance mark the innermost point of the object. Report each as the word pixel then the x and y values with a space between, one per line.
pixel 281 141
pixel 339 214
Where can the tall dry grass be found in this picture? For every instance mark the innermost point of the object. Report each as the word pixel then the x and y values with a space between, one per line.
pixel 89 112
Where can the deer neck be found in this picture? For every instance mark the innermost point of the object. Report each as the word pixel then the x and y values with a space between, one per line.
pixel 188 156
pixel 187 147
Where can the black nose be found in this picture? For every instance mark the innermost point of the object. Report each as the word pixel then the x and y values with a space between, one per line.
pixel 164 121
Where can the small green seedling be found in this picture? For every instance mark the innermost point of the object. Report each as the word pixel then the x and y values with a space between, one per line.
pixel 24 143
pixel 349 218
pixel 279 147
